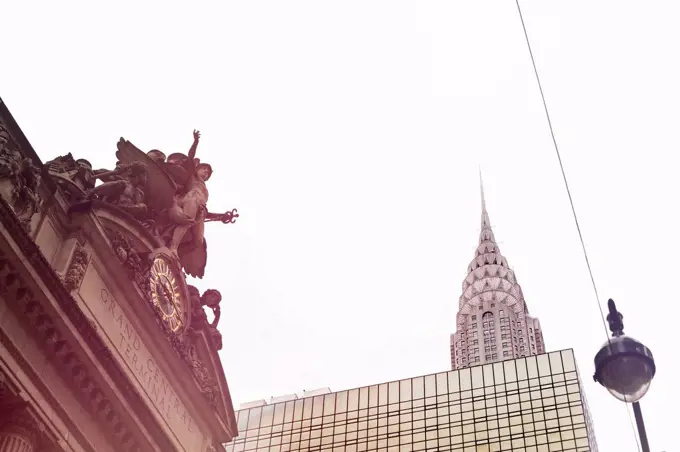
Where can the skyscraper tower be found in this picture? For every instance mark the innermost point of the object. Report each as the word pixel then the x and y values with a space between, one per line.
pixel 493 322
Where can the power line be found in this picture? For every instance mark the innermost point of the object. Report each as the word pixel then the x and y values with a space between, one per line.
pixel 571 201
pixel 564 175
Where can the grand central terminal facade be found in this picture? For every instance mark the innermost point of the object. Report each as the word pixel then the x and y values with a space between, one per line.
pixel 104 346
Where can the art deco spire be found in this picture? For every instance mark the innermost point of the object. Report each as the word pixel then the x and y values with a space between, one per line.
pixel 492 322
pixel 486 233
pixel 485 215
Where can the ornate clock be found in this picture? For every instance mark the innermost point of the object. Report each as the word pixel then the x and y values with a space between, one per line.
pixel 166 293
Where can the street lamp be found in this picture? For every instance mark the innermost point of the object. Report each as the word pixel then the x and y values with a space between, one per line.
pixel 625 367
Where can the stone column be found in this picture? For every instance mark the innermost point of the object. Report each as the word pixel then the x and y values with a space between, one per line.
pixel 19 432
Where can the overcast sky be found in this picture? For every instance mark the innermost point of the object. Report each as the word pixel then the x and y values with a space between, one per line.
pixel 349 135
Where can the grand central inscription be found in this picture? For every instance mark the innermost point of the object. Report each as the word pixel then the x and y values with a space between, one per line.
pixel 139 361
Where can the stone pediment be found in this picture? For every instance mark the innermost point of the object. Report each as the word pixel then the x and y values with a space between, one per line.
pixel 122 288
pixel 93 266
pixel 215 384
pixel 21 177
pixel 128 252
pixel 208 341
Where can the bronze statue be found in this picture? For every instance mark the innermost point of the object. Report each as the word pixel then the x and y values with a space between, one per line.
pixel 156 155
pixel 11 160
pixel 20 180
pixel 176 196
pixel 212 298
pixel 27 200
pixel 124 187
pixel 194 199
pixel 75 177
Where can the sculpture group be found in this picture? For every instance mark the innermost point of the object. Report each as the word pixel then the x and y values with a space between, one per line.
pixel 122 239
pixel 168 195
pixel 19 180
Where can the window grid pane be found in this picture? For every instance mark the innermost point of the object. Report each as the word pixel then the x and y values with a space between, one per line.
pixel 530 404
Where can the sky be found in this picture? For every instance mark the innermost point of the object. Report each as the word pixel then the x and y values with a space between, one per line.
pixel 349 136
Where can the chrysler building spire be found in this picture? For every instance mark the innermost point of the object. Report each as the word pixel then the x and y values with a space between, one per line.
pixel 485 215
pixel 486 232
pixel 493 322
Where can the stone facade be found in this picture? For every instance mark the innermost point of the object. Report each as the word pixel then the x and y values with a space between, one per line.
pixel 103 344
pixel 493 321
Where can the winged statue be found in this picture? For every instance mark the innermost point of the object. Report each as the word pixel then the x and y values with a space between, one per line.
pixel 176 197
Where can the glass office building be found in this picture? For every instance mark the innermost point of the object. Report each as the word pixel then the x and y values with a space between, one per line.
pixel 532 404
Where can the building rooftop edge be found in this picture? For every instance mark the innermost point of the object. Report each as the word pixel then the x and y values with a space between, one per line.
pixel 265 403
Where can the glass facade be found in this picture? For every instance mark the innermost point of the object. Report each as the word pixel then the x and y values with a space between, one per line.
pixel 532 404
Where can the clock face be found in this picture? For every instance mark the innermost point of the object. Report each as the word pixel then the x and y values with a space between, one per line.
pixel 166 293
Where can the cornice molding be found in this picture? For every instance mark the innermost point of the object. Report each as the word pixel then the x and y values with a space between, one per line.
pixel 63 354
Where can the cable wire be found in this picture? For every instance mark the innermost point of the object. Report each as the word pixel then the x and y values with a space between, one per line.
pixel 564 176
pixel 571 201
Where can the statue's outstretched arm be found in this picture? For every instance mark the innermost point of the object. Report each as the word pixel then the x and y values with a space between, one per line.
pixel 113 189
pixel 115 174
pixel 192 150
pixel 216 320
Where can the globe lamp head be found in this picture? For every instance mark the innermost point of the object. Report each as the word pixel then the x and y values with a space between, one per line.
pixel 625 367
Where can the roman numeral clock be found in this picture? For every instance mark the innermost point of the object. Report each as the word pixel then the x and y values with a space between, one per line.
pixel 169 292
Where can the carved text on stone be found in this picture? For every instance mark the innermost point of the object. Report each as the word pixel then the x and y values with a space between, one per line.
pixel 124 338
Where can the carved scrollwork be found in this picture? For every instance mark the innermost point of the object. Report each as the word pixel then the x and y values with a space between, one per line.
pixel 124 187
pixel 20 180
pixel 61 353
pixel 206 383
pixel 187 351
pixel 137 266
pixel 76 271
pixel 65 170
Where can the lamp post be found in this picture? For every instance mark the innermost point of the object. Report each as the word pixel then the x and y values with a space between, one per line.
pixel 625 367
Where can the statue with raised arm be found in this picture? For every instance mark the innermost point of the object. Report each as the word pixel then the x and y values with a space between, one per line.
pixel 176 196
pixel 193 202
